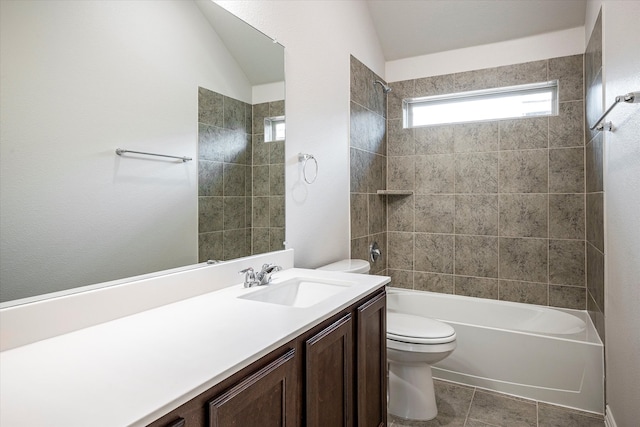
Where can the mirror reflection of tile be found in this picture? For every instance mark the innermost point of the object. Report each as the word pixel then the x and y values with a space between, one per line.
pixel 240 178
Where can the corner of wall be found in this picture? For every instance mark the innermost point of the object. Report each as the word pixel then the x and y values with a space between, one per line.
pixel 591 15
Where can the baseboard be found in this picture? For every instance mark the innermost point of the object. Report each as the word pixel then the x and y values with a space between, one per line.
pixel 608 418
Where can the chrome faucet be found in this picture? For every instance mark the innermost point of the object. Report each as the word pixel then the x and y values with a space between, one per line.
pixel 263 277
pixel 249 277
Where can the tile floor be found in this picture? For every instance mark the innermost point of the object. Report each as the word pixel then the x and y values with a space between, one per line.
pixel 464 406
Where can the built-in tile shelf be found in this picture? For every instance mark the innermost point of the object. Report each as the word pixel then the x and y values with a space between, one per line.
pixel 395 192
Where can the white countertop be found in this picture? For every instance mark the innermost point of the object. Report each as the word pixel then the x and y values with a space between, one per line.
pixel 133 370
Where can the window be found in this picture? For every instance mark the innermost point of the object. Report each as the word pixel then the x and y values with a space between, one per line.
pixel 274 129
pixel 531 100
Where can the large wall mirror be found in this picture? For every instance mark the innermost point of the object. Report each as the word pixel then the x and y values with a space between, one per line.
pixel 176 77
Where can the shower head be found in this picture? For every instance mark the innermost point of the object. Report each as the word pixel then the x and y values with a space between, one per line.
pixel 385 88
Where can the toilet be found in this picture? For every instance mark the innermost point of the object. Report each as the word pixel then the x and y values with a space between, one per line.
pixel 348 266
pixel 414 343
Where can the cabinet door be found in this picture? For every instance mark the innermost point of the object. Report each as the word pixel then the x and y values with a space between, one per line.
pixel 329 376
pixel 264 399
pixel 371 360
pixel 180 422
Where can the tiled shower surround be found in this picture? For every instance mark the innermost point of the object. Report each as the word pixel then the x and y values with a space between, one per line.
pixel 368 159
pixel 240 207
pixel 498 207
pixel 594 181
pixel 268 183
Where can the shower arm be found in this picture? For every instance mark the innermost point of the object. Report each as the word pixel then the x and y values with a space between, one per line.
pixel 385 88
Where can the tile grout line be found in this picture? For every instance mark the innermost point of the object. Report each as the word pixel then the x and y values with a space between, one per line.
pixel 455 206
pixel 413 196
pixel 499 235
pixel 548 210
pixel 473 395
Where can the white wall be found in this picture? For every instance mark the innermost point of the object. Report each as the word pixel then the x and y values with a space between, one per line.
pixel 318 37
pixel 544 46
pixel 621 74
pixel 80 79
pixel 267 93
pixel 621 41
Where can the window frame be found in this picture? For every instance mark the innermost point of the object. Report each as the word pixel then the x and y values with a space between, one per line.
pixel 493 93
pixel 270 124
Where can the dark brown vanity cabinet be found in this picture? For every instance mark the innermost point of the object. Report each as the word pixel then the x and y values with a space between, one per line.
pixel 371 362
pixel 330 376
pixel 346 369
pixel 266 398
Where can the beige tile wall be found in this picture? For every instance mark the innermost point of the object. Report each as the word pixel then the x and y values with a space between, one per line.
pixel 240 179
pixel 268 183
pixel 498 209
pixel 224 177
pixel 368 162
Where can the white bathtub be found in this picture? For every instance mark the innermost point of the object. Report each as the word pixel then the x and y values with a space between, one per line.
pixel 547 354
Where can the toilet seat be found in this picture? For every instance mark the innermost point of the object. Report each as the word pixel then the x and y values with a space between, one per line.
pixel 407 328
pixel 414 345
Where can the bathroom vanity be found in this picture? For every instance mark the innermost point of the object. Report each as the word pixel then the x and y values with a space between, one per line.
pixel 217 354
pixel 331 375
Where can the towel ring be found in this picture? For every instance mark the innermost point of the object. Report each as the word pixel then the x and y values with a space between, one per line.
pixel 305 158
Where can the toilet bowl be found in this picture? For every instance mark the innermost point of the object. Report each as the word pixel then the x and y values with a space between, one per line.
pixel 414 343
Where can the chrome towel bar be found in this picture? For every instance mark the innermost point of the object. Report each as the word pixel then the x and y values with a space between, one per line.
pixel 631 98
pixel 121 151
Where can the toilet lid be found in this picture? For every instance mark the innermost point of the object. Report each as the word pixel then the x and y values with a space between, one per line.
pixel 348 266
pixel 417 329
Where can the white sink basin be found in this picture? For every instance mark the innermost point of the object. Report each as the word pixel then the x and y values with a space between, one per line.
pixel 298 292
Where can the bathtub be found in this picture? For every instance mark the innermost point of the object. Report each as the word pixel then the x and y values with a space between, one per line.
pixel 547 354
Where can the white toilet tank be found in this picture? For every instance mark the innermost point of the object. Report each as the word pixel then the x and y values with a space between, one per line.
pixel 348 266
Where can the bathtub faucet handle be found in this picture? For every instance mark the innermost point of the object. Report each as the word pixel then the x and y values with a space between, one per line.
pixel 374 252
